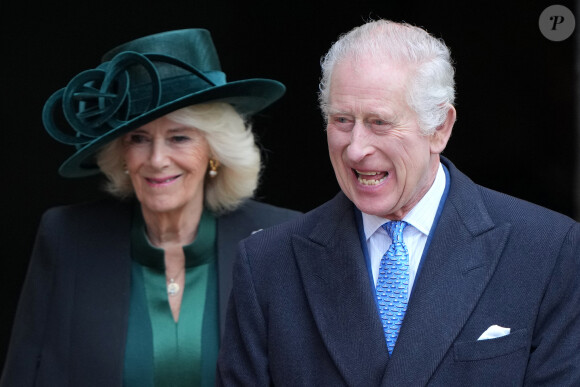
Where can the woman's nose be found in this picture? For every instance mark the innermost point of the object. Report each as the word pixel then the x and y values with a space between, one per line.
pixel 159 154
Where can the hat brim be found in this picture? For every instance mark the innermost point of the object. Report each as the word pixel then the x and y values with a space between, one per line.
pixel 246 96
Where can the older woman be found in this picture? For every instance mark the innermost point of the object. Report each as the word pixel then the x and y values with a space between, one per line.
pixel 132 292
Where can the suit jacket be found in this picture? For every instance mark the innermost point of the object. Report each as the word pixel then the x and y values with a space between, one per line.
pixel 70 326
pixel 302 312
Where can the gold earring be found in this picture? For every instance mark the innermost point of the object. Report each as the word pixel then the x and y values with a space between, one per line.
pixel 213 166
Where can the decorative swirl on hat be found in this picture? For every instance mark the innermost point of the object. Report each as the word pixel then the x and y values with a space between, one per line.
pixel 99 100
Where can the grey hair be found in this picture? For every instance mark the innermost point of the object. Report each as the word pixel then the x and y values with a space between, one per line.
pixel 231 142
pixel 431 87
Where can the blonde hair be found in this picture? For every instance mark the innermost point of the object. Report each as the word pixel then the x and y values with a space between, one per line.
pixel 231 142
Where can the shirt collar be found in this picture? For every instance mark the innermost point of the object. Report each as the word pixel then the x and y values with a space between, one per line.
pixel 421 216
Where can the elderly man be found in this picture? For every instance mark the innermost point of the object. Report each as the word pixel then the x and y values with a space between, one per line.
pixel 413 275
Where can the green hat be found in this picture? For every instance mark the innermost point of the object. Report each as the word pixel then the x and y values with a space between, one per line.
pixel 140 81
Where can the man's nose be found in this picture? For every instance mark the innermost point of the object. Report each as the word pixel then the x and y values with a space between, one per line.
pixel 361 143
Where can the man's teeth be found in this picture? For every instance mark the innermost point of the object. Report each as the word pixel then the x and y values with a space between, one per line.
pixel 370 181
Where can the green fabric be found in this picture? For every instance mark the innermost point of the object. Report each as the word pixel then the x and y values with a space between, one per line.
pixel 183 353
pixel 138 370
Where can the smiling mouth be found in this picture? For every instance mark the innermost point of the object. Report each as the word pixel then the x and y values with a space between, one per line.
pixel 371 178
pixel 162 181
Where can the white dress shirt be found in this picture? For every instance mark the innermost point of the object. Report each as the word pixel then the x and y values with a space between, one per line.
pixel 420 220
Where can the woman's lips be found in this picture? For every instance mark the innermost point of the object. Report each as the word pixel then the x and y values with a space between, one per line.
pixel 162 180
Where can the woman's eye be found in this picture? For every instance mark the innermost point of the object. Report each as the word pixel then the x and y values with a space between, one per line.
pixel 180 139
pixel 137 139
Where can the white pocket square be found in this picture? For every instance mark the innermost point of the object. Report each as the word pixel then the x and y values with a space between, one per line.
pixel 493 332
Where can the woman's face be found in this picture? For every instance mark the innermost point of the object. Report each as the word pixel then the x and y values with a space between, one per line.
pixel 167 163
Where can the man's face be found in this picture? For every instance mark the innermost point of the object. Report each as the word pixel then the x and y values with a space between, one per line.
pixel 382 161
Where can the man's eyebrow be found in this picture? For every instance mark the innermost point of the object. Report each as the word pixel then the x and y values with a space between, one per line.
pixel 384 114
pixel 331 110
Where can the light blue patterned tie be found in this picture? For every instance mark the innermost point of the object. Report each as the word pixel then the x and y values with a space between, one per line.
pixel 393 283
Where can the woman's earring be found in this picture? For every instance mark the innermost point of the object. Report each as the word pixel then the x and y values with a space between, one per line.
pixel 213 166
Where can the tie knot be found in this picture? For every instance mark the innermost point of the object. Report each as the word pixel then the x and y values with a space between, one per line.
pixel 395 229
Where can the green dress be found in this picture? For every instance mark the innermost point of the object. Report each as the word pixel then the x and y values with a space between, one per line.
pixel 159 351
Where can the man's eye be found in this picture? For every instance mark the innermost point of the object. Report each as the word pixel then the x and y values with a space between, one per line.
pixel 379 122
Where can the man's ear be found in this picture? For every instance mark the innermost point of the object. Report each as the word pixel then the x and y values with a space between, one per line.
pixel 442 134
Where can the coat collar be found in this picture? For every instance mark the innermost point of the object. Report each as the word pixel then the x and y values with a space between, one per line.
pixel 461 259
pixel 339 292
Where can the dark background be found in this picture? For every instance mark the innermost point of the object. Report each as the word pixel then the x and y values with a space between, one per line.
pixel 516 101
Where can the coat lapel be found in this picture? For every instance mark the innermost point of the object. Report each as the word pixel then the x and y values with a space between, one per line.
pixel 461 260
pixel 228 236
pixel 234 226
pixel 101 293
pixel 338 289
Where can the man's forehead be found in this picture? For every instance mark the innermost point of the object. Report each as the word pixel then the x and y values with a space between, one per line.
pixel 370 74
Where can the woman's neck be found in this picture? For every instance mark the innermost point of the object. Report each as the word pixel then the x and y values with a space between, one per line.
pixel 176 228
